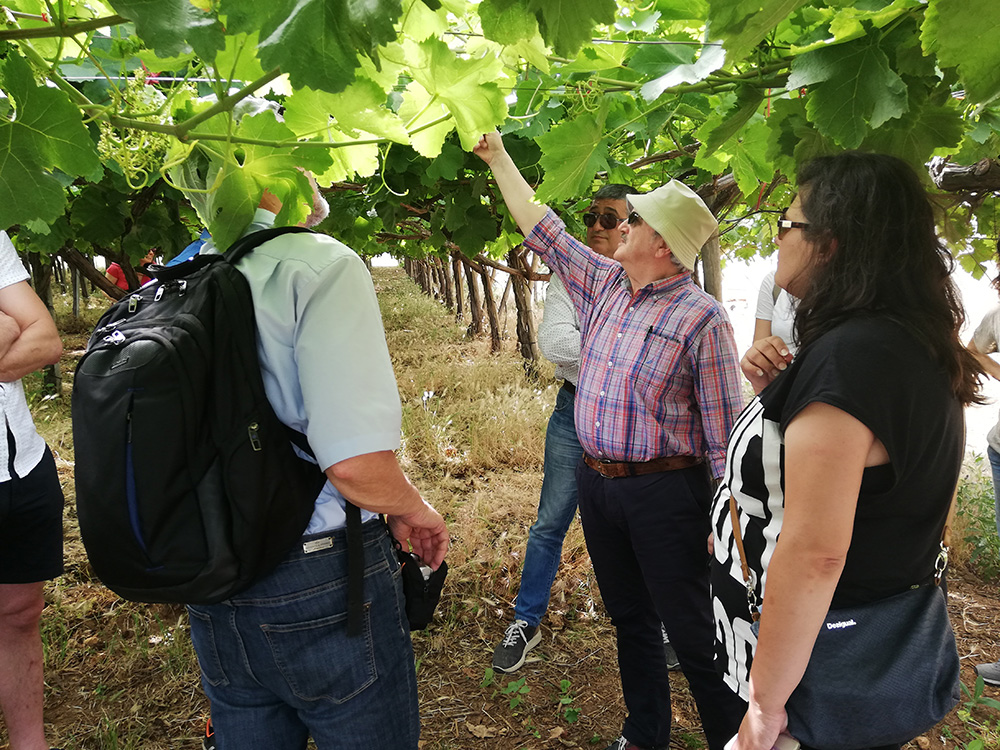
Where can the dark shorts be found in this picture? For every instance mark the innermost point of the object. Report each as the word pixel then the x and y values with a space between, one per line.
pixel 31 532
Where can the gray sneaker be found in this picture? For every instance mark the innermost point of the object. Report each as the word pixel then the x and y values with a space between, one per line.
pixel 989 672
pixel 519 639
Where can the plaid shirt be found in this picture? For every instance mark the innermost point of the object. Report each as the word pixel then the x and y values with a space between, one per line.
pixel 659 374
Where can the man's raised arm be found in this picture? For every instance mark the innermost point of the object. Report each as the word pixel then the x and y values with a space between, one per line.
pixel 516 191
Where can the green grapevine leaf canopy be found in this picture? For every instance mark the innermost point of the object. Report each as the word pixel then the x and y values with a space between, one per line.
pixel 387 97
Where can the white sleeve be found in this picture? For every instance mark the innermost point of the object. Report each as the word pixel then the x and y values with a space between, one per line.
pixel 986 335
pixel 559 332
pixel 765 298
pixel 11 269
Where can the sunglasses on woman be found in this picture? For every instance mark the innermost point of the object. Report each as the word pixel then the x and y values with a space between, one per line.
pixel 785 226
pixel 608 221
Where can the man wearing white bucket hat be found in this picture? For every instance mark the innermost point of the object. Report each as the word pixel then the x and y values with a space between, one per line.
pixel 657 396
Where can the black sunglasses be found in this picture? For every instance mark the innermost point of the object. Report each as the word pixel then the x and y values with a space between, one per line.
pixel 608 221
pixel 785 226
pixel 633 218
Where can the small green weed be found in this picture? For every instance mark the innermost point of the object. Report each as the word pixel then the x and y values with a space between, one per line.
pixel 985 731
pixel 570 712
pixel 516 690
pixel 976 520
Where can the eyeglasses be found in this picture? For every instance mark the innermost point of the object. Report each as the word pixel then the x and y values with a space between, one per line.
pixel 785 226
pixel 608 221
pixel 634 218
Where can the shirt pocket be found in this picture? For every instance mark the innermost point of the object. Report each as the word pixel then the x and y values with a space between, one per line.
pixel 659 368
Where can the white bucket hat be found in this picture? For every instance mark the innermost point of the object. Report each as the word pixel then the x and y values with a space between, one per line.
pixel 680 217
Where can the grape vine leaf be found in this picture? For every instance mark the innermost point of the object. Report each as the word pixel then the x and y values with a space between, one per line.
pixel 247 170
pixel 418 110
pixel 724 125
pixel 851 88
pixel 171 27
pixel 711 59
pixel 749 163
pixel 466 87
pixel 960 32
pixel 98 214
pixel 358 108
pixel 354 159
pixel 420 22
pixel 656 59
pixel 741 25
pixel 572 154
pixel 849 21
pixel 316 42
pixel 45 134
pixel 927 130
pixel 568 24
pixel 507 21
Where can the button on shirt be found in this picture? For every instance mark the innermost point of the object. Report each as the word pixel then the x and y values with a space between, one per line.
pixel 29 446
pixel 322 350
pixel 659 373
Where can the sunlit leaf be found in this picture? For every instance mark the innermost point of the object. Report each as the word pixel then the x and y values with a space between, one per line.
pixel 958 31
pixel 572 154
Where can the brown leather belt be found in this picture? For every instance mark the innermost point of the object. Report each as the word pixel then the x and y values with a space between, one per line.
pixel 619 469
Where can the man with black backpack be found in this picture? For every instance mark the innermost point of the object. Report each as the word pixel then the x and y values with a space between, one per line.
pixel 277 661
pixel 242 472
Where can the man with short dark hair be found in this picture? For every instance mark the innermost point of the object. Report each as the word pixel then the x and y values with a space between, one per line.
pixel 658 394
pixel 559 340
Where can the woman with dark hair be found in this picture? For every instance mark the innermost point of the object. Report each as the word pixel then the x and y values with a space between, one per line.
pixel 852 449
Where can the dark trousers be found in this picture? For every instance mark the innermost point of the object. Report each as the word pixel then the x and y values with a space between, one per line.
pixel 647 537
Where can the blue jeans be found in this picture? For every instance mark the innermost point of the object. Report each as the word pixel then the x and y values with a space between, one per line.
pixel 556 508
pixel 278 666
pixel 995 466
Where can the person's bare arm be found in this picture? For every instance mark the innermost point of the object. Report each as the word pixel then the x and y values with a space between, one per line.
pixel 761 329
pixel 990 366
pixel 38 343
pixel 375 482
pixel 516 191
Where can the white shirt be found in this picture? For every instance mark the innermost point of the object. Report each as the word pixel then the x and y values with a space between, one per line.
pixel 780 311
pixel 559 332
pixel 29 446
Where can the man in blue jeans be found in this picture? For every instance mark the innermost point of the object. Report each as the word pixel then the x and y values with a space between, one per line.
pixel 559 340
pixel 276 659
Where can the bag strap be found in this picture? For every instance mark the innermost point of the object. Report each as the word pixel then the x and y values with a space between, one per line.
pixel 355 541
pixel 940 564
pixel 245 244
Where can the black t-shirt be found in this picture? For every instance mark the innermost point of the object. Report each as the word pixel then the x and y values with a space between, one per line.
pixel 879 373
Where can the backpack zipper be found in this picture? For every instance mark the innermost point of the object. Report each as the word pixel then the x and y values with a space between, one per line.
pixel 254 436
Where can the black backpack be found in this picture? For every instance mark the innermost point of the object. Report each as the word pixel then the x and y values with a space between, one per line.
pixel 187 486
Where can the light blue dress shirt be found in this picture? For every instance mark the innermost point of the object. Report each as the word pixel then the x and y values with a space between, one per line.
pixel 322 349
